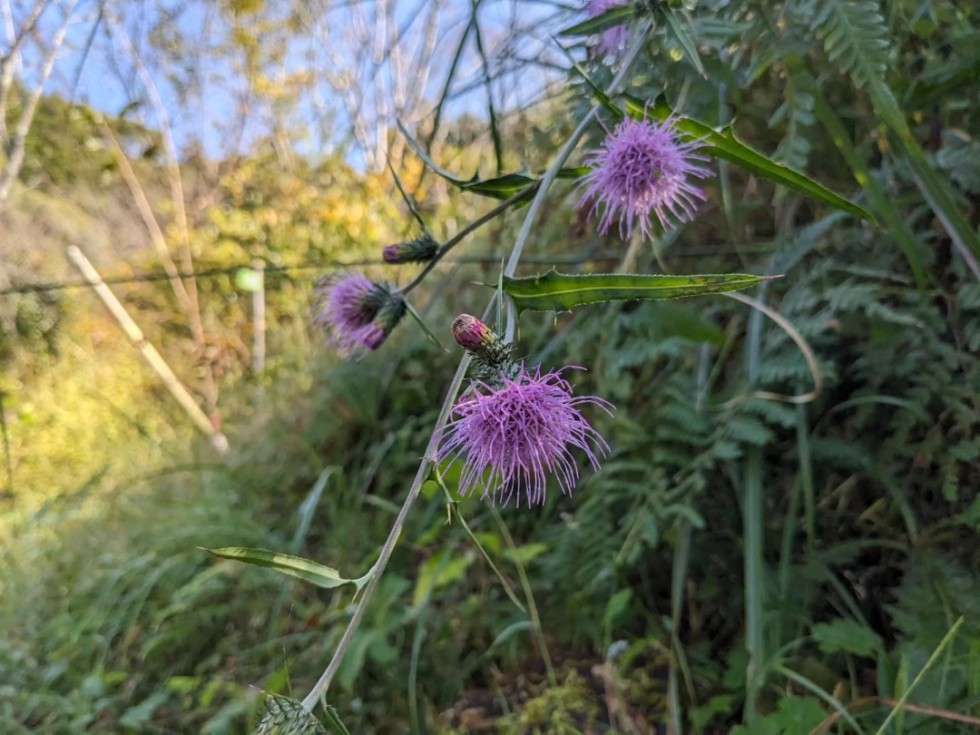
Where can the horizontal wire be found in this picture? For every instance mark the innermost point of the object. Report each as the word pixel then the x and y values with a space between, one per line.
pixel 326 266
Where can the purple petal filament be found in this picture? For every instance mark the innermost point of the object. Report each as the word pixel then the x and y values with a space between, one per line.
pixel 346 306
pixel 517 435
pixel 641 170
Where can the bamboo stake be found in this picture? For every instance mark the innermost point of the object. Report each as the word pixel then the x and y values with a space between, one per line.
pixel 183 397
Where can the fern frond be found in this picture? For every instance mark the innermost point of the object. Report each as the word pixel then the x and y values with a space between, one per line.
pixel 855 38
pixel 797 111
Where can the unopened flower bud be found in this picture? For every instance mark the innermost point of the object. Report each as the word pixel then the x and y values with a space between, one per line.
pixel 491 354
pixel 419 250
pixel 472 334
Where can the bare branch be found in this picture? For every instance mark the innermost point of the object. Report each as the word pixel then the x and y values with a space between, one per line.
pixel 15 146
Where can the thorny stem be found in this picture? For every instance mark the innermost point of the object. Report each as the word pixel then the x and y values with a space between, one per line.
pixel 475 224
pixel 540 192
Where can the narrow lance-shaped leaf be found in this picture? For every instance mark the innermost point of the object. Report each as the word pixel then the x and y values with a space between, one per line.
pixel 723 144
pixel 560 292
pixel 427 159
pixel 680 29
pixel 500 187
pixel 617 16
pixel 597 91
pixel 294 566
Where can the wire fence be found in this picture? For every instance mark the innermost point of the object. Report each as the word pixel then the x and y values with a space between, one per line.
pixel 336 265
pixel 324 266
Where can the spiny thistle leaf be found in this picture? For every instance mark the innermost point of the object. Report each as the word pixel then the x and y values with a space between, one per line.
pixel 681 30
pixel 285 716
pixel 723 144
pixel 560 292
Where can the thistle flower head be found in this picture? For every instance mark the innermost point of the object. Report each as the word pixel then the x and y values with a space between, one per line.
pixel 419 250
pixel 358 313
pixel 643 169
pixel 515 434
pixel 612 40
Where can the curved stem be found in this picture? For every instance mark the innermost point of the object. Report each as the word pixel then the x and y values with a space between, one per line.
pixel 548 179
pixel 475 224
pixel 540 191
pixel 324 681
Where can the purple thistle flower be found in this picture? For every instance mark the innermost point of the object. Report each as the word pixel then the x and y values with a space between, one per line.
pixel 347 304
pixel 517 433
pixel 643 169
pixel 612 40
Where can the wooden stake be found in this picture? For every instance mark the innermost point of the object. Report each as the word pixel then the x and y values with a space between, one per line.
pixel 149 352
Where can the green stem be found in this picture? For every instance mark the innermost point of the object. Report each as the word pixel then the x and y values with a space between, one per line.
pixel 552 173
pixel 470 228
pixel 540 191
pixel 389 546
pixel 532 608
pixel 947 639
pixel 753 530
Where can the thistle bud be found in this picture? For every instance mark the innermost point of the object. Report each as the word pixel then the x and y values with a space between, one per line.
pixel 491 353
pixel 472 334
pixel 419 250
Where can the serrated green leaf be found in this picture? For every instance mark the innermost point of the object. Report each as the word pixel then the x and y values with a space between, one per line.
pixel 846 635
pixel 797 715
pixel 723 144
pixel 617 16
pixel 294 566
pixel 560 292
pixel 286 716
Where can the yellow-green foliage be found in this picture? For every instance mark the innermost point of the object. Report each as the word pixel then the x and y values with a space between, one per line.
pixel 567 709
pixel 68 415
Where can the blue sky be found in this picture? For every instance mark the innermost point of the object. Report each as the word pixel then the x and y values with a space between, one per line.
pixel 109 80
